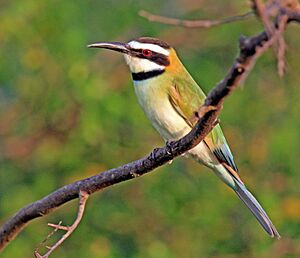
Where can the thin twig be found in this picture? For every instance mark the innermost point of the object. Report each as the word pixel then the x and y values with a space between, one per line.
pixel 275 36
pixel 42 243
pixel 281 64
pixel 279 47
pixel 263 14
pixel 193 23
pixel 58 226
pixel 83 196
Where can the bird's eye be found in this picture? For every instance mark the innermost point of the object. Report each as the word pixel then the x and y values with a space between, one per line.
pixel 147 52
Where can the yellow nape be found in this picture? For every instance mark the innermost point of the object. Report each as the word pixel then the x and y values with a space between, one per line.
pixel 175 64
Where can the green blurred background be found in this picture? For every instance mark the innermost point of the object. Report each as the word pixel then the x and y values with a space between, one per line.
pixel 68 112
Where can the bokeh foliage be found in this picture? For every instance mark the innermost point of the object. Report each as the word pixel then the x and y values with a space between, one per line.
pixel 68 112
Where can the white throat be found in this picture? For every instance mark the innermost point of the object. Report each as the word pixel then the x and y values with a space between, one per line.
pixel 138 65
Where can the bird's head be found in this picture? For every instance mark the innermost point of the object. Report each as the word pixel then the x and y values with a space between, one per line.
pixel 143 55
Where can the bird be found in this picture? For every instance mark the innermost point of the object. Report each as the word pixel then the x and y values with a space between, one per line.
pixel 169 97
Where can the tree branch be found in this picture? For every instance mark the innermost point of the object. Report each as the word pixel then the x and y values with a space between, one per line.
pixel 83 196
pixel 250 49
pixel 193 23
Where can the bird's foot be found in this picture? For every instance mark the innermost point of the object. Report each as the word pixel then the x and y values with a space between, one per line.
pixel 169 146
pixel 153 154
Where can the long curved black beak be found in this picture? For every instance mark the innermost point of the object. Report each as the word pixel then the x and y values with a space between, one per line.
pixel 116 46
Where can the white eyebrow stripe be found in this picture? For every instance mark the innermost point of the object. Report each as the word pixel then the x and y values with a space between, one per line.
pixel 153 47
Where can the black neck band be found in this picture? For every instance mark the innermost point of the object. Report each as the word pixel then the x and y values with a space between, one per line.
pixel 146 75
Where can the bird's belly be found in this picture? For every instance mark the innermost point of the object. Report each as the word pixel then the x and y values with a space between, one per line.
pixel 169 124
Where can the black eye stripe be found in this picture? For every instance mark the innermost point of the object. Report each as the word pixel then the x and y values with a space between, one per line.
pixel 160 59
pixel 155 57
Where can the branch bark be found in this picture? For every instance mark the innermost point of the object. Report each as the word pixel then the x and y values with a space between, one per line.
pixel 250 49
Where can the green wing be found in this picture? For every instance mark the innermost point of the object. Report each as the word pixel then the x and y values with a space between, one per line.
pixel 186 97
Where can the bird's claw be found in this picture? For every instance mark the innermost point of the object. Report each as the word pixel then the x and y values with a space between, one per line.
pixel 153 153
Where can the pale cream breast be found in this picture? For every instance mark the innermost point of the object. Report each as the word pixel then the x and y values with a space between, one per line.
pixel 159 110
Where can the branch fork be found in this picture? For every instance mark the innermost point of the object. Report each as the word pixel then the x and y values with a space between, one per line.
pixel 83 197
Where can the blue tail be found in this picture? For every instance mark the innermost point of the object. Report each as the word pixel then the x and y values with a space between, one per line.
pixel 256 209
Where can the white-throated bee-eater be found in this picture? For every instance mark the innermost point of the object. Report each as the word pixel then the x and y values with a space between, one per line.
pixel 170 97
